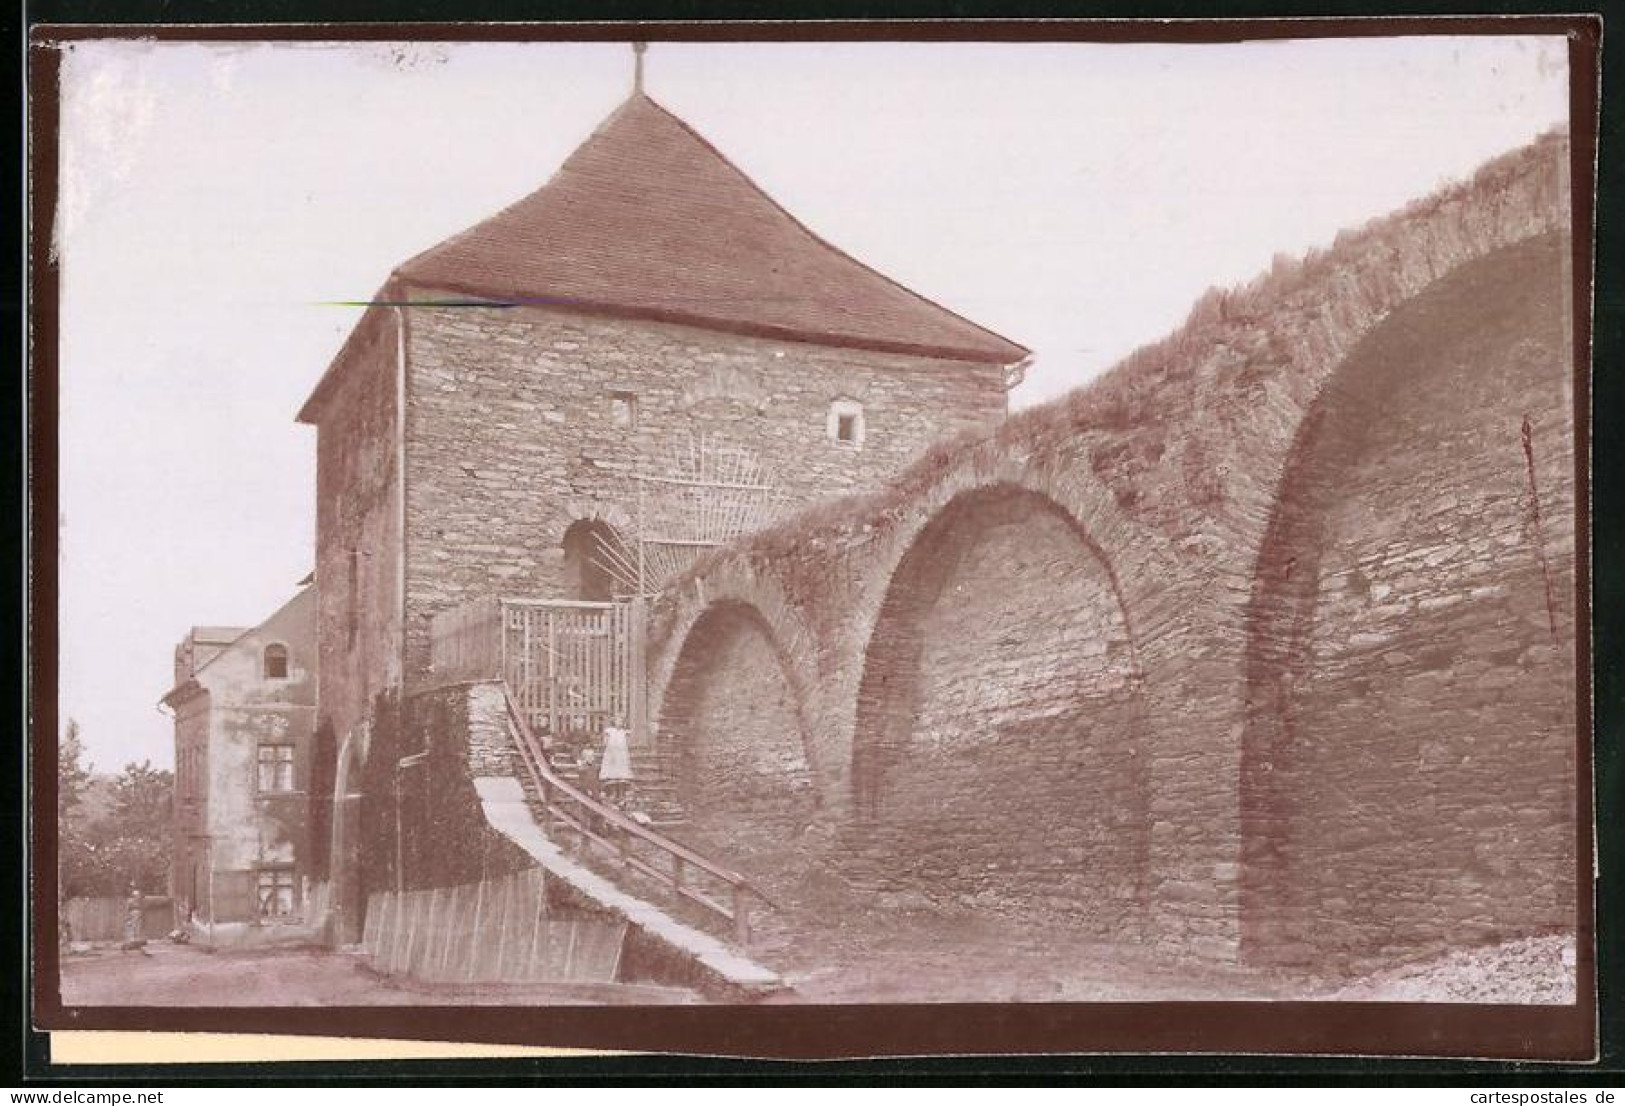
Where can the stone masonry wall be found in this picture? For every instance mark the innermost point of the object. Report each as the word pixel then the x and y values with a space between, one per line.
pixel 511 435
pixel 1177 470
pixel 357 540
pixel 490 747
pixel 732 717
pixel 1004 682
pixel 1421 743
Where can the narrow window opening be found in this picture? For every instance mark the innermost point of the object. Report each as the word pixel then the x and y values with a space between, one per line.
pixel 354 595
pixel 845 425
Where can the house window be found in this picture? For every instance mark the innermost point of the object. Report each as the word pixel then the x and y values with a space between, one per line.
pixel 276 662
pixel 623 410
pixel 845 424
pixel 276 768
pixel 275 889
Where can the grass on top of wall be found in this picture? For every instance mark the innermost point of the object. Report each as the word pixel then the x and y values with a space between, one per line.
pixel 1363 273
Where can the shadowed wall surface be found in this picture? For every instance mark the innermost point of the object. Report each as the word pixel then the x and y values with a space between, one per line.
pixel 995 761
pixel 732 719
pixel 1410 730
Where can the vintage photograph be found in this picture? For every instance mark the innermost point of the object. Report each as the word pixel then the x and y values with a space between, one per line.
pixel 628 523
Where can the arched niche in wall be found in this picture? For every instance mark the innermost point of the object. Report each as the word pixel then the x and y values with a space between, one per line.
pixel 999 752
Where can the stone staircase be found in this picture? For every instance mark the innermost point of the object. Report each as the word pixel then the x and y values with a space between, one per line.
pixel 654 784
pixel 655 789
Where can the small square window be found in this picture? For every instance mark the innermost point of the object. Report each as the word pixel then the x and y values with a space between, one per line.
pixel 623 410
pixel 275 768
pixel 845 425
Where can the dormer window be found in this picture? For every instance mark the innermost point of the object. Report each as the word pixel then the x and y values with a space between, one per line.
pixel 845 424
pixel 276 662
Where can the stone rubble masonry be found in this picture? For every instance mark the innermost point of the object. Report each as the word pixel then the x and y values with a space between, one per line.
pixel 1300 694
pixel 1014 779
pixel 490 748
pixel 1429 792
pixel 734 723
pixel 511 436
pixel 357 529
pixel 1420 757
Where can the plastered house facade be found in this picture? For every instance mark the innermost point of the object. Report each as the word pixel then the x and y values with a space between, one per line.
pixel 244 704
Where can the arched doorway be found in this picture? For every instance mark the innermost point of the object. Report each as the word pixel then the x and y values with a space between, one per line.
pixel 595 562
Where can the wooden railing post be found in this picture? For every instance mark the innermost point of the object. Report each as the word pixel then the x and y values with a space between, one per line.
pixel 597 822
pixel 741 917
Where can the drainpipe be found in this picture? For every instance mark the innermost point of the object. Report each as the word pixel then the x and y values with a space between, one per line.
pixel 208 853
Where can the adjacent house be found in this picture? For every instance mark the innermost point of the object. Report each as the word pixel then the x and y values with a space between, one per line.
pixel 244 703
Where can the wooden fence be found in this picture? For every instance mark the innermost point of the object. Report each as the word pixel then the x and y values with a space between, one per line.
pixel 495 931
pixel 465 643
pixel 571 665
pixel 102 919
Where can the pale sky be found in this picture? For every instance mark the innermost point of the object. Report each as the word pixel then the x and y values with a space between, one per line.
pixel 1075 198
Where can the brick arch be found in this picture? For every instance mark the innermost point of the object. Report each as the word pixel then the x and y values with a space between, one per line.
pixel 733 718
pixel 994 469
pixel 733 583
pixel 1040 786
pixel 597 510
pixel 1405 714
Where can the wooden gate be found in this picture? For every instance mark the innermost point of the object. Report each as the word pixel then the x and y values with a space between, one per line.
pixel 569 665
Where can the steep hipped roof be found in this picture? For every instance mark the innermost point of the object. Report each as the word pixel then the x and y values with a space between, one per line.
pixel 647 219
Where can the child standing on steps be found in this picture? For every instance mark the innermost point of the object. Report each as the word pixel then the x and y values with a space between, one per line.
pixel 615 771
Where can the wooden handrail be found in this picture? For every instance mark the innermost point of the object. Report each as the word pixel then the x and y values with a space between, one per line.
pixel 547 781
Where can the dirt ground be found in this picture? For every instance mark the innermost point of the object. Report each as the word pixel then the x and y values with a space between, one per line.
pixel 911 958
pixel 186 975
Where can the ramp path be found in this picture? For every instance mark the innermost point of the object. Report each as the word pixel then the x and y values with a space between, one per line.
pixel 508 811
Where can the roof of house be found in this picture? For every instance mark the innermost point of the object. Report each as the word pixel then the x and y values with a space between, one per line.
pixel 217 635
pixel 647 219
pixel 228 637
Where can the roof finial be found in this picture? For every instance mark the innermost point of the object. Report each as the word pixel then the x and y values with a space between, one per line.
pixel 637 66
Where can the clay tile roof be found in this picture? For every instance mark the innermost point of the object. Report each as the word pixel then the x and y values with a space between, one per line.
pixel 647 219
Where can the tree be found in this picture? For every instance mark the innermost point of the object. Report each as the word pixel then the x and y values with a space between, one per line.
pixel 73 773
pixel 76 853
pixel 105 846
pixel 134 839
